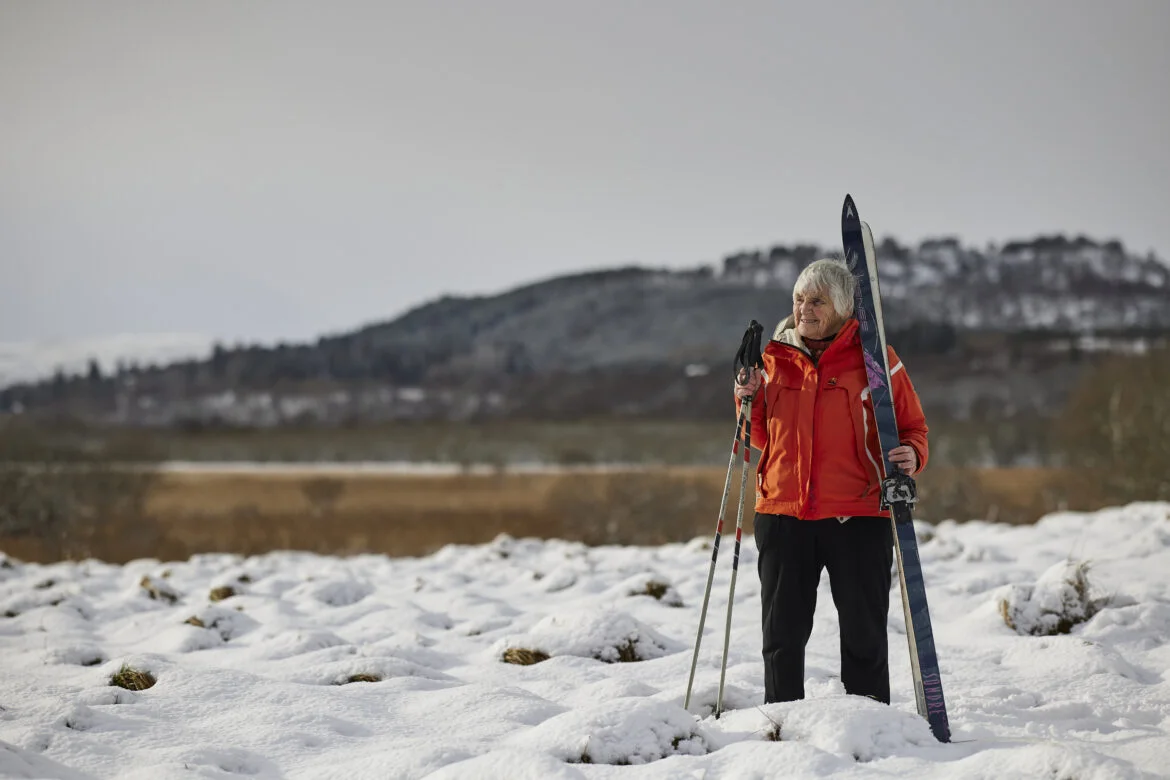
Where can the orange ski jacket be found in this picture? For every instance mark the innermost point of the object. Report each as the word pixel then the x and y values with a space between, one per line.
pixel 814 426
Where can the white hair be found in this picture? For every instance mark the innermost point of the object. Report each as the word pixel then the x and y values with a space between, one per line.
pixel 830 277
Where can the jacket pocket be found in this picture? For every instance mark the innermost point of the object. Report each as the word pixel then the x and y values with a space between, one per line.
pixel 780 466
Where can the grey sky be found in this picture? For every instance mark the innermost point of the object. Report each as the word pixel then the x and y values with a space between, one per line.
pixel 269 170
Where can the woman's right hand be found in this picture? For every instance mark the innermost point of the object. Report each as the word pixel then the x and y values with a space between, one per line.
pixel 747 383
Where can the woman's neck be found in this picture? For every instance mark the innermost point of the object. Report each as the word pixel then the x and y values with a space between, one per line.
pixel 820 342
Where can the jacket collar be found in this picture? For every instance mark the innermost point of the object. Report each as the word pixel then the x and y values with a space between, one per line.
pixel 785 333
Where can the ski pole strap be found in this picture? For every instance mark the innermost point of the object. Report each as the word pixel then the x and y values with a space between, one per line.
pixel 749 355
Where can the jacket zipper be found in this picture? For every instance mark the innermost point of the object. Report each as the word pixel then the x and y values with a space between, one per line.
pixel 806 506
pixel 813 426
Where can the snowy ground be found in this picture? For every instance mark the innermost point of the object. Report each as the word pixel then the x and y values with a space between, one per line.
pixel 257 685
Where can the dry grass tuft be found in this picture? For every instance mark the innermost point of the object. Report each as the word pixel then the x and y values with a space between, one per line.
pixel 194 621
pixel 627 652
pixel 1005 611
pixel 773 732
pixel 660 591
pixel 158 590
pixel 524 657
pixel 221 593
pixel 656 589
pixel 132 679
pixel 357 678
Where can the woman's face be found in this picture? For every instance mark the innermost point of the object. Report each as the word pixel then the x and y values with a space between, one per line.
pixel 815 316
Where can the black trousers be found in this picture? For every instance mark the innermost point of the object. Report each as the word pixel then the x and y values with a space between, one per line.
pixel 858 554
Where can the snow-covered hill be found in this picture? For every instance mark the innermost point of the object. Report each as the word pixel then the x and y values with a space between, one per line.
pixel 368 667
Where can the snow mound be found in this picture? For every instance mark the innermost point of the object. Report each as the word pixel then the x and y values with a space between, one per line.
pixel 227 623
pixel 182 639
pixel 560 578
pixel 599 633
pixel 650 585
pixel 157 589
pixel 621 732
pixel 294 643
pixel 1075 656
pixel 508 764
pixel 39 598
pixel 853 727
pixel 1058 601
pixel 75 655
pixel 15 762
pixel 340 592
pixel 363 669
pixel 1049 760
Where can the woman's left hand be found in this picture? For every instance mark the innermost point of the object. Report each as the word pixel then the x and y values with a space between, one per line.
pixel 905 458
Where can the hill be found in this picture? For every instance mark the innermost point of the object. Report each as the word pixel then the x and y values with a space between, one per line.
pixel 1005 327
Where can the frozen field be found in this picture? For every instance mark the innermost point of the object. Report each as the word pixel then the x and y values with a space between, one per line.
pixel 368 667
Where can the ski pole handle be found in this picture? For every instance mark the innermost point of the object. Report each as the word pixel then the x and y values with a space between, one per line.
pixel 749 356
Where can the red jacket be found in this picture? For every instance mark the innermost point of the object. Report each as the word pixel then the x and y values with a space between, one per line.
pixel 815 428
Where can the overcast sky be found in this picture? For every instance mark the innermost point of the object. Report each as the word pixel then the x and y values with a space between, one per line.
pixel 281 170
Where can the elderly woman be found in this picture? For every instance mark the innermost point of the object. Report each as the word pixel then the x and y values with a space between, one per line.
pixel 817 485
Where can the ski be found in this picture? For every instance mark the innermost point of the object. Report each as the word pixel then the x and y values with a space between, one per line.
pixel 898 490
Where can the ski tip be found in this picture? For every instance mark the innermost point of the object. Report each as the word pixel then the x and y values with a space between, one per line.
pixel 848 209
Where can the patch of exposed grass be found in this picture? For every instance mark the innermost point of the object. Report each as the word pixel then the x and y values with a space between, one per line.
pixel 221 593
pixel 132 679
pixel 627 652
pixel 158 591
pixel 194 621
pixel 660 591
pixel 656 589
pixel 523 656
pixel 772 734
pixel 357 678
pixel 1005 612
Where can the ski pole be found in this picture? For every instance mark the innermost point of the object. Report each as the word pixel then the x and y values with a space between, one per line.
pixel 747 357
pixel 747 459
pixel 714 553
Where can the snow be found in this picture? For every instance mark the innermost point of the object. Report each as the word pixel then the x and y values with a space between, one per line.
pixel 366 666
